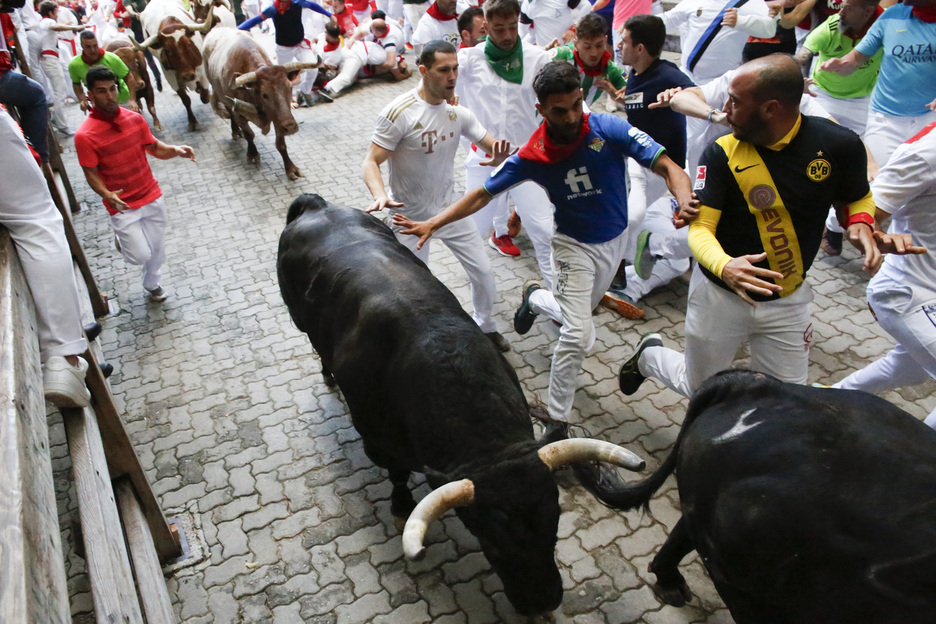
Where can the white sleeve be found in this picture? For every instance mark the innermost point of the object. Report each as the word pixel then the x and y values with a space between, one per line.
pixel 471 128
pixel 387 134
pixel 900 181
pixel 423 32
pixel 754 19
pixel 676 17
pixel 716 91
pixel 809 106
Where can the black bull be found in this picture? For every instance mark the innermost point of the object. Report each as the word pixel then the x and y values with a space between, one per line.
pixel 428 392
pixel 807 505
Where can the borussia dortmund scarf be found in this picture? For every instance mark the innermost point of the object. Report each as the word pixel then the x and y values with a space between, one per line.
pixel 508 65
pixel 540 147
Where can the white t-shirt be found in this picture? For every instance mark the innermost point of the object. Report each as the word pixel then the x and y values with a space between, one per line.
pixel 66 17
pixel 48 38
pixel 424 139
pixel 369 52
pixel 906 188
pixel 332 57
pixel 393 39
pixel 552 18
pixel 693 17
pixel 431 29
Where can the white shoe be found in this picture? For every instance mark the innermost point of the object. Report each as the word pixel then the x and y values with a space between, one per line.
pixel 64 384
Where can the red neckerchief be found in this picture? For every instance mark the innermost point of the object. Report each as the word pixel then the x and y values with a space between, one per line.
pixel 541 149
pixel 97 60
pixel 927 15
pixel 601 64
pixel 433 10
pixel 857 38
pixel 282 6
pixel 331 47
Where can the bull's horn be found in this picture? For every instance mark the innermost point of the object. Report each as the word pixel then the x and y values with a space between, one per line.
pixel 140 47
pixel 436 503
pixel 564 452
pixel 227 5
pixel 244 79
pixel 209 22
pixel 296 65
pixel 244 108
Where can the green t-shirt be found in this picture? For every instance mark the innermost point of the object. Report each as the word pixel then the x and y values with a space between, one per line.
pixel 828 42
pixel 612 73
pixel 78 70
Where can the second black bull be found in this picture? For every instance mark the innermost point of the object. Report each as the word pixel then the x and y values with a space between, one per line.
pixel 428 392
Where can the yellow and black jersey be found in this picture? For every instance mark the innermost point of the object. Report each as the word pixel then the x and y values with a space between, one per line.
pixel 776 200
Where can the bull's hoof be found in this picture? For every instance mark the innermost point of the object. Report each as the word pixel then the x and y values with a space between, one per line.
pixel 294 174
pixel 542 618
pixel 676 595
pixel 193 126
pixel 235 135
pixel 253 159
pixel 329 380
pixel 157 126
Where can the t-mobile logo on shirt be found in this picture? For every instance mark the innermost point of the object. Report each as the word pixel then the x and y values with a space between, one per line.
pixel 429 138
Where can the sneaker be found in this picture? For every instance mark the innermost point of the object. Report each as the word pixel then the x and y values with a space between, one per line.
pixel 831 243
pixel 622 304
pixel 324 97
pixel 64 384
pixel 524 316
pixel 554 431
pixel 157 295
pixel 513 224
pixel 499 341
pixel 629 378
pixel 68 132
pixel 644 261
pixel 620 279
pixel 504 245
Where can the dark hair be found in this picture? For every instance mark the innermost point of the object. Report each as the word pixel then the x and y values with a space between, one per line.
pixel 47 7
pixel 648 30
pixel 99 73
pixel 556 78
pixel 428 55
pixel 501 8
pixel 87 34
pixel 780 78
pixel 591 26
pixel 332 30
pixel 378 14
pixel 466 19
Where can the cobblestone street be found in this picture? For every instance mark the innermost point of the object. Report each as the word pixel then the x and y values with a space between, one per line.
pixel 240 437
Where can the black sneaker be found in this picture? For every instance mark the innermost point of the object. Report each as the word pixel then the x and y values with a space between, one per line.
pixel 554 431
pixel 524 316
pixel 831 243
pixel 629 379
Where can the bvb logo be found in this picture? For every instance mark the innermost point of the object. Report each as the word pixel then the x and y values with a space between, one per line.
pixel 818 170
pixel 762 197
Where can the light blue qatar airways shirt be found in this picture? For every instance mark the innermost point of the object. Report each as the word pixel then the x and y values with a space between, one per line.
pixel 589 187
pixel 907 82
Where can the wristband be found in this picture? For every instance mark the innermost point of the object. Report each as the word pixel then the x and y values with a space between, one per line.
pixel 711 113
pixel 861 217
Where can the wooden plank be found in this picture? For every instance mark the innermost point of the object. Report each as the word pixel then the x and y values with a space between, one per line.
pixel 98 301
pixel 151 584
pixel 112 589
pixel 122 459
pixel 32 572
pixel 63 182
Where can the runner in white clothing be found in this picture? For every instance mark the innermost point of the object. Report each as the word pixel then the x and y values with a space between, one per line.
pixel 418 134
pixel 439 22
pixel 902 295
pixel 49 29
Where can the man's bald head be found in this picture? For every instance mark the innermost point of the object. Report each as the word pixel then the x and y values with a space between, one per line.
pixel 379 27
pixel 775 77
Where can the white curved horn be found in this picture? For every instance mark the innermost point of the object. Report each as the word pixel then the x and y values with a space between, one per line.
pixel 564 452
pixel 243 79
pixel 140 47
pixel 436 503
pixel 209 22
pixel 295 65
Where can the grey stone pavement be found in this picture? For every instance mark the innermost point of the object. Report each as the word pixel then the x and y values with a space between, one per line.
pixel 224 401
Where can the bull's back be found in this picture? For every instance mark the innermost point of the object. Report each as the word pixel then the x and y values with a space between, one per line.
pixel 228 51
pixel 805 492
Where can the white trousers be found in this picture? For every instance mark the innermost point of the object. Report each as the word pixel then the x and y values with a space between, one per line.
pixel 908 313
pixel 532 205
pixel 141 234
pixel 412 13
pixel 849 112
pixel 53 71
pixel 463 240
pixel 667 243
pixel 646 187
pixel 35 225
pixel 583 273
pixel 351 65
pixel 718 322
pixel 885 133
pixel 301 53
pixel 393 8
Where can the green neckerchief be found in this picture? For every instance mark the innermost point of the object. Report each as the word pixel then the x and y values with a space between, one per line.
pixel 508 65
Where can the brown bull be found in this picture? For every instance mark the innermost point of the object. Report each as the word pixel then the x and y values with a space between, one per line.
pixel 223 12
pixel 247 87
pixel 138 80
pixel 172 31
